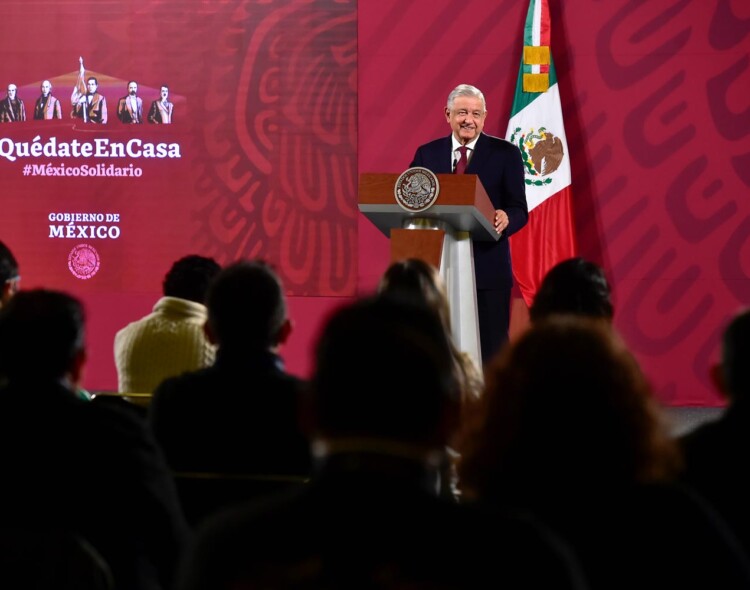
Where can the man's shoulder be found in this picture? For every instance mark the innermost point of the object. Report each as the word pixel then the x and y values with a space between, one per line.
pixel 496 142
pixel 440 142
pixel 136 326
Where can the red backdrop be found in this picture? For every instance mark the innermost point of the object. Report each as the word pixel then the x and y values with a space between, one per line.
pixel 280 104
pixel 656 101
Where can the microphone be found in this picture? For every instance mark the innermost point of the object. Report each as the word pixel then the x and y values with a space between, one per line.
pixel 455 163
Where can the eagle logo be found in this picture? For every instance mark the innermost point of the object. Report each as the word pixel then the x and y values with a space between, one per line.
pixel 416 189
pixel 542 152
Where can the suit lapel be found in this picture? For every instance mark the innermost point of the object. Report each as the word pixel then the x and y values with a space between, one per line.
pixel 480 155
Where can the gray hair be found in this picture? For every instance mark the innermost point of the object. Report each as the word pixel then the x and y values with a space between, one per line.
pixel 465 90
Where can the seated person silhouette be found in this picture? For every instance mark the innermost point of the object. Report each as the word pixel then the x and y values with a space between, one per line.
pixel 170 340
pixel 715 452
pixel 416 280
pixel 92 470
pixel 9 277
pixel 381 406
pixel 568 430
pixel 573 286
pixel 240 415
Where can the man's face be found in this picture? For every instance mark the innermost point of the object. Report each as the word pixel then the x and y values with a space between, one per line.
pixel 164 92
pixel 466 118
pixel 132 88
pixel 92 86
pixel 46 87
pixel 12 91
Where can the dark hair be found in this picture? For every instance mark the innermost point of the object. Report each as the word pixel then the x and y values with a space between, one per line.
pixel 41 331
pixel 384 370
pixel 92 78
pixel 573 286
pixel 246 306
pixel 8 264
pixel 190 277
pixel 415 280
pixel 566 405
pixel 735 352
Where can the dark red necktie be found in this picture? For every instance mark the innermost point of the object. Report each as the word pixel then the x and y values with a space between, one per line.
pixel 462 161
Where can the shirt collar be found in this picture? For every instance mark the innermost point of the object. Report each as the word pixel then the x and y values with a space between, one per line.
pixel 457 144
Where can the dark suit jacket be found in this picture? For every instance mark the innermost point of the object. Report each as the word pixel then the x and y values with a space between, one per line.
pixel 716 456
pixel 155 114
pixel 499 165
pixel 239 415
pixel 94 470
pixel 370 522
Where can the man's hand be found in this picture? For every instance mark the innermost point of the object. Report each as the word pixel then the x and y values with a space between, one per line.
pixel 501 220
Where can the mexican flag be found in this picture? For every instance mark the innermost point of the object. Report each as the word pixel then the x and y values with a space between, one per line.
pixel 536 127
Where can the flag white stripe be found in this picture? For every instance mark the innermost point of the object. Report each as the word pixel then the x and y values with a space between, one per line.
pixel 536 26
pixel 544 111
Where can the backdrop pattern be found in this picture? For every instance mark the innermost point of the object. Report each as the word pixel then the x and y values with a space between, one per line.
pixel 656 104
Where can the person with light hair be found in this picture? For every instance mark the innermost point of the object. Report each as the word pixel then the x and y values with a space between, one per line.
pixel 499 166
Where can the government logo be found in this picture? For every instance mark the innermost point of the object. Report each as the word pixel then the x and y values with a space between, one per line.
pixel 83 261
pixel 542 154
pixel 416 189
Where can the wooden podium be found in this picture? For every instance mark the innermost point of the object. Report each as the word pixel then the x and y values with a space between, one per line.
pixel 441 235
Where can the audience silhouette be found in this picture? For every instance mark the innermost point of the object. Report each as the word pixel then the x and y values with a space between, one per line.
pixel 573 286
pixel 416 280
pixel 239 415
pixel 568 430
pixel 382 404
pixel 170 340
pixel 715 453
pixel 9 277
pixel 568 477
pixel 72 465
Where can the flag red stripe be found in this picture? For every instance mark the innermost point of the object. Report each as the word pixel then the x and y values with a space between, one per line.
pixel 547 238
pixel 544 25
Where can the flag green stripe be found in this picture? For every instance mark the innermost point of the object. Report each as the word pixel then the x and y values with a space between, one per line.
pixel 528 27
pixel 523 99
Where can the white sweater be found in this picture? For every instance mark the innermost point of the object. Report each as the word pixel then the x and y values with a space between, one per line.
pixel 167 342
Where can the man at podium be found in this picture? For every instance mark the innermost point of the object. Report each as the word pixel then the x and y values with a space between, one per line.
pixel 499 166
